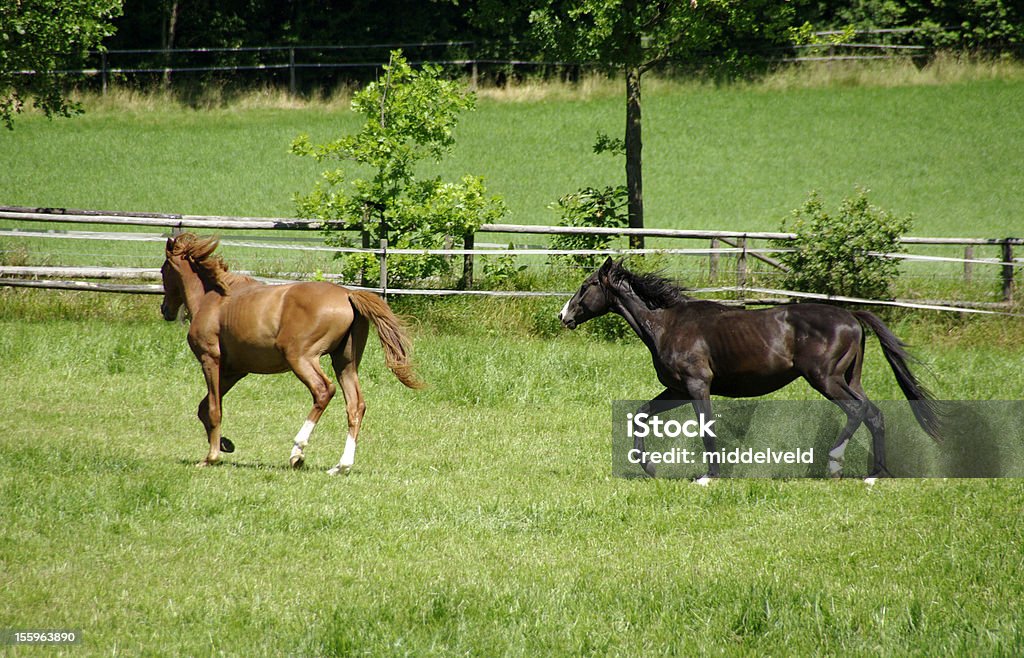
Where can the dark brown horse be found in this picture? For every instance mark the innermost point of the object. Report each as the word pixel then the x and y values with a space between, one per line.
pixel 241 326
pixel 702 348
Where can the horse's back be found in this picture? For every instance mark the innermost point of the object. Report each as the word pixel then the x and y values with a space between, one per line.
pixel 263 326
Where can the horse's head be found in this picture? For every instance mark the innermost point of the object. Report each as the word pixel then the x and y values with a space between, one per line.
pixel 188 256
pixel 174 290
pixel 592 300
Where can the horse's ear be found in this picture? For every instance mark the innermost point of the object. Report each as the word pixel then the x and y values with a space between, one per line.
pixel 605 271
pixel 170 246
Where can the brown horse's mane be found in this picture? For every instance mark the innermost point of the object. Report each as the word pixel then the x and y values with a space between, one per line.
pixel 211 269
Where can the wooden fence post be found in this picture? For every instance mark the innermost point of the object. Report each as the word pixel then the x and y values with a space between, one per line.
pixel 365 245
pixel 741 267
pixel 466 282
pixel 968 266
pixel 103 72
pixel 713 262
pixel 1007 258
pixel 384 267
pixel 291 71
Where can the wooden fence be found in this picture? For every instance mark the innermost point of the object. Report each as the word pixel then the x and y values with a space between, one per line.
pixel 737 244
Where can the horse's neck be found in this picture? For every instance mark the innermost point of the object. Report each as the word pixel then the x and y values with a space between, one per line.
pixel 648 324
pixel 198 286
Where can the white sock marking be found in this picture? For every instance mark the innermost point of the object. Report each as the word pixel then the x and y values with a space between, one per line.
pixel 870 481
pixel 837 452
pixel 703 481
pixel 302 438
pixel 349 456
pixel 835 459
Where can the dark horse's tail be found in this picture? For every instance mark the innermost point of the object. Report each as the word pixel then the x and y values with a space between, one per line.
pixel 925 407
pixel 391 331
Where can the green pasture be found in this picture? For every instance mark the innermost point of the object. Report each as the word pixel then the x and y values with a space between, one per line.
pixel 730 157
pixel 480 518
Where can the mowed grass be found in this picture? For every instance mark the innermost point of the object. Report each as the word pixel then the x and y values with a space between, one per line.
pixel 481 517
pixel 737 156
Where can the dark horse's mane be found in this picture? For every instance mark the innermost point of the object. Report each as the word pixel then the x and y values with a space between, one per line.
pixel 655 290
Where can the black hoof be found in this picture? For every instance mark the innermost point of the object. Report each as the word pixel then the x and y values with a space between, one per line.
pixel 226 445
pixel 648 468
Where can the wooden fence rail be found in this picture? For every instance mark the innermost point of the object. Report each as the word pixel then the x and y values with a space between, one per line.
pixel 737 241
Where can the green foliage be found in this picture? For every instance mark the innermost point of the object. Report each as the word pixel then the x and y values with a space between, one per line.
pixel 501 272
pixel 409 116
pixel 590 206
pixel 808 35
pixel 838 254
pixel 619 34
pixel 994 26
pixel 45 36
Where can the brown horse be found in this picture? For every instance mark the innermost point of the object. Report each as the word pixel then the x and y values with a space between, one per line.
pixel 241 326
pixel 703 348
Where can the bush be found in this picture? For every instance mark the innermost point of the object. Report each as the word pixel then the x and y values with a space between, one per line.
pixel 839 254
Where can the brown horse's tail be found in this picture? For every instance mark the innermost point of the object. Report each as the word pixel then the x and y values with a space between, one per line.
pixel 391 331
pixel 926 409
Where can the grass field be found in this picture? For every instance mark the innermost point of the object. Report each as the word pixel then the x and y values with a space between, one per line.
pixel 735 157
pixel 481 517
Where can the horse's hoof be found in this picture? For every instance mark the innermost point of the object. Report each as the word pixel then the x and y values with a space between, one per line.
pixel 297 461
pixel 226 445
pixel 340 470
pixel 703 481
pixel 870 481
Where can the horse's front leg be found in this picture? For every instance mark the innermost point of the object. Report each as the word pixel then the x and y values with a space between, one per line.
pixel 210 408
pixel 666 400
pixel 227 380
pixel 699 391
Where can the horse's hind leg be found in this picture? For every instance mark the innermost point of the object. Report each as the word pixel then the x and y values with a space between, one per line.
pixel 872 415
pixel 346 365
pixel 875 423
pixel 307 369
pixel 854 411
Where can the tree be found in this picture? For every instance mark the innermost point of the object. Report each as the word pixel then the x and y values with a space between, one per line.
pixel 410 115
pixel 38 38
pixel 632 37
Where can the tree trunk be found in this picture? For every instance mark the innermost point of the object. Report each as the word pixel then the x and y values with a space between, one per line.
pixel 172 27
pixel 634 148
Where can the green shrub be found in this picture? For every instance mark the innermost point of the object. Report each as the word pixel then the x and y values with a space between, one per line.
pixel 840 254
